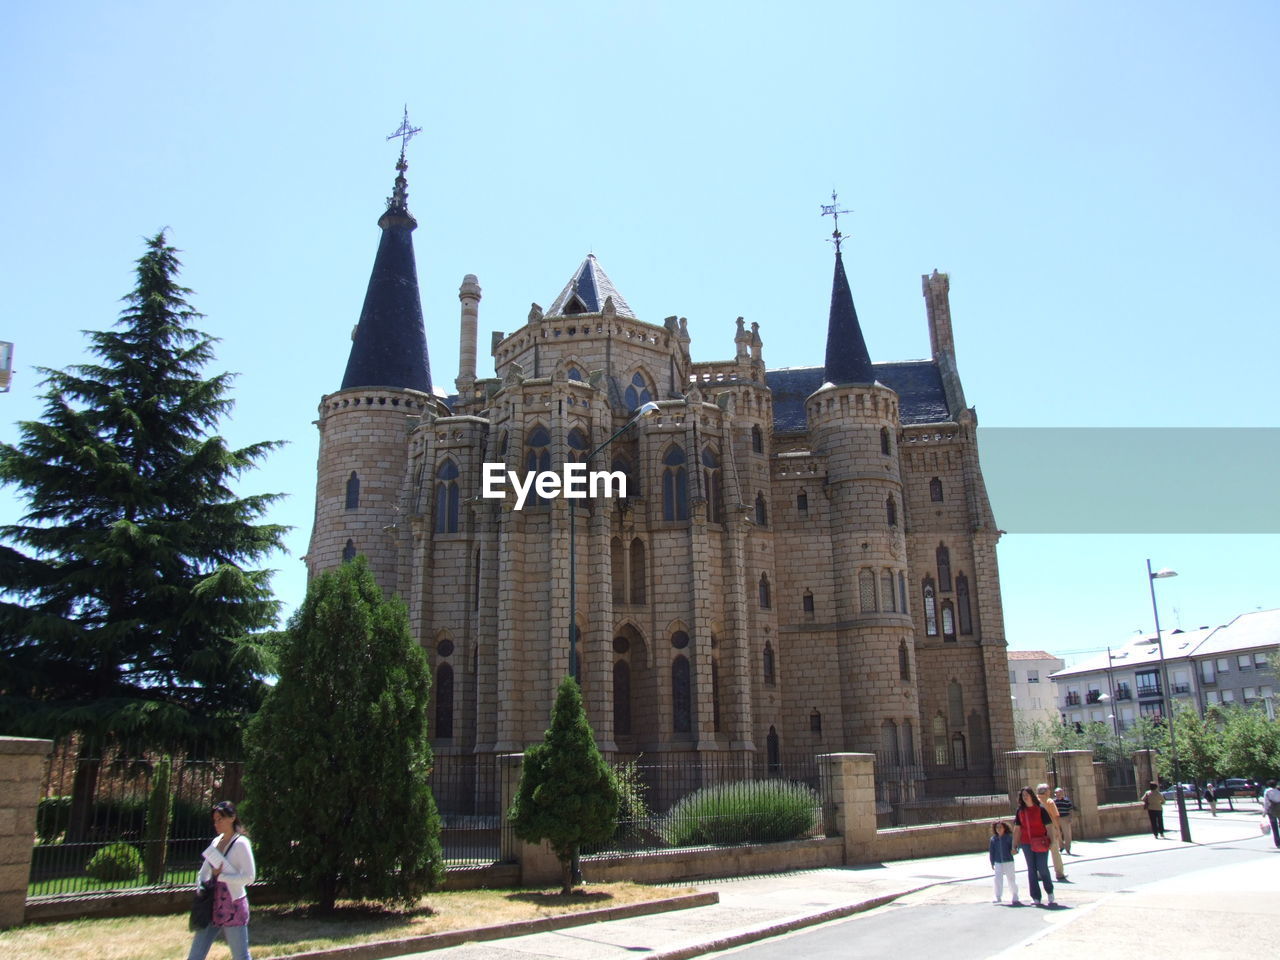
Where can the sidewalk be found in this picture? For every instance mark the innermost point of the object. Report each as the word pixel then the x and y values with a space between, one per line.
pixel 752 908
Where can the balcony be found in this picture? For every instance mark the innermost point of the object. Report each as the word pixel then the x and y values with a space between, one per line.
pixel 1093 696
pixel 1073 699
pixel 1124 693
pixel 1181 687
pixel 1152 691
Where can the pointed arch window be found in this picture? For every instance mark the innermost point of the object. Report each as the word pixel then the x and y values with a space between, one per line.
pixel 622 698
pixel 349 552
pixel 711 474
pixel 886 446
pixel 815 721
pixel 963 609
pixel 622 464
pixel 941 752
pixel 681 696
pixel 766 600
pixel 948 621
pixel 943 556
pixel 908 743
pixel 886 591
pixel 891 511
pixel 802 502
pixel 955 704
pixel 959 755
pixel 637 571
pixel 935 490
pixel 904 661
pixel 537 456
pixel 444 700
pixel 353 491
pixel 770 674
pixel 618 569
pixel 902 592
pixel 757 440
pixel 978 741
pixel 502 445
pixel 447 496
pixel 638 391
pixel 866 591
pixel 675 485
pixel 762 510
pixel 575 374
pixel 579 444
pixel 889 743
pixel 808 603
pixel 930 608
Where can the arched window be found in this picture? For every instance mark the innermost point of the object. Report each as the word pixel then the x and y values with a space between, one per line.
pixel 815 721
pixel 447 497
pixel 773 753
pixel 902 592
pixel 948 621
pixel 808 602
pixel 349 552
pixel 762 510
pixel 944 568
pixel 930 608
pixel 866 591
pixel 935 490
pixel 711 474
pixel 638 392
pixel 675 485
pixel 715 696
pixel 962 604
pixel 757 440
pixel 537 456
pixel 575 374
pixel 891 512
pixel 622 464
pixel 802 502
pixel 681 696
pixel 955 704
pixel 578 445
pixel 637 571
pixel 941 753
pixel 770 676
pixel 444 700
pixel 886 591
pixel 617 567
pixel 353 491
pixel 904 661
pixel 766 601
pixel 621 698
pixel 502 444
pixel 959 756
pixel 889 744
pixel 885 447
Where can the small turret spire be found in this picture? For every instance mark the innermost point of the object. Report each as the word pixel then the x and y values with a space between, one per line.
pixel 847 358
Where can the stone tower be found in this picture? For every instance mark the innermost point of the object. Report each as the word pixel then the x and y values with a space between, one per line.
pixel 386 390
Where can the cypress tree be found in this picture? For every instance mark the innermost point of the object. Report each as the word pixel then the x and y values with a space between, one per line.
pixel 338 765
pixel 129 595
pixel 567 794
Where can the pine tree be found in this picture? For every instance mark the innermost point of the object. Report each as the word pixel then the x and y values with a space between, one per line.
pixel 567 794
pixel 130 603
pixel 339 759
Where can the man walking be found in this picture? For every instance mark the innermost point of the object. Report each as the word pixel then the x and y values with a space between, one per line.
pixel 1064 805
pixel 1271 808
pixel 1055 830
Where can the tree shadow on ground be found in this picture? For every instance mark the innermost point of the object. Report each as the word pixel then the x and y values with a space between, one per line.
pixel 541 898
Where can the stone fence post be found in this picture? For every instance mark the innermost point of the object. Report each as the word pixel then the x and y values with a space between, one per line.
pixel 1144 769
pixel 538 865
pixel 1025 768
pixel 849 805
pixel 22 767
pixel 1077 769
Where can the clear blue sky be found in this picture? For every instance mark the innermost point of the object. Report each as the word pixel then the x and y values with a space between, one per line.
pixel 1098 179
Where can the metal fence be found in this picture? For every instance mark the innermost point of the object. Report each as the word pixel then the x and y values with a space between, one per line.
pixel 914 794
pixel 714 801
pixel 469 791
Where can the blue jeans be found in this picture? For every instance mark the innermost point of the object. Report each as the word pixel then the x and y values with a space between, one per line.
pixel 1037 868
pixel 1274 817
pixel 237 940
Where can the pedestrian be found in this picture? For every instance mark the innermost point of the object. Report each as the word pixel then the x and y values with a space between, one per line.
pixel 1000 852
pixel 1153 803
pixel 228 862
pixel 1031 832
pixel 1055 830
pixel 1271 809
pixel 1211 795
pixel 1065 806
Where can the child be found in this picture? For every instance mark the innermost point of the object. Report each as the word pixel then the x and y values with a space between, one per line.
pixel 1000 852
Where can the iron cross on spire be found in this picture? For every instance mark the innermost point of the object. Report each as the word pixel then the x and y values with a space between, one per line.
pixel 834 212
pixel 406 132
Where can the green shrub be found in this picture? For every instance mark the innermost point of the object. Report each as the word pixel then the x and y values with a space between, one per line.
pixel 748 811
pixel 115 863
pixel 53 816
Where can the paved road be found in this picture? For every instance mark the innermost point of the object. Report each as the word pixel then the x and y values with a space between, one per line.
pixel 1206 901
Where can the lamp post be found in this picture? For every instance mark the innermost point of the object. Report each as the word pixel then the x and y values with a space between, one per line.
pixel 645 410
pixel 1184 827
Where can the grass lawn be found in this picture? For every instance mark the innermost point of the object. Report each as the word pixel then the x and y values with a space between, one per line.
pixel 83 884
pixel 278 930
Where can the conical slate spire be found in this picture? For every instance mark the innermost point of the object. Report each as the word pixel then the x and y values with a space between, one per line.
pixel 586 292
pixel 389 348
pixel 847 357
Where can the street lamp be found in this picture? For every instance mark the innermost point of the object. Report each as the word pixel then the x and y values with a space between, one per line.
pixel 645 410
pixel 1184 826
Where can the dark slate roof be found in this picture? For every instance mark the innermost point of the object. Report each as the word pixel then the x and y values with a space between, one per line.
pixel 390 344
pixel 592 286
pixel 847 358
pixel 918 384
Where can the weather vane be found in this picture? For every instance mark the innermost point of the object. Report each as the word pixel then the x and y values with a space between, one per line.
pixel 834 212
pixel 405 133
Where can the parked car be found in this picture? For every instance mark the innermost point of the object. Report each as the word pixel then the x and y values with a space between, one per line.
pixel 1189 792
pixel 1236 787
